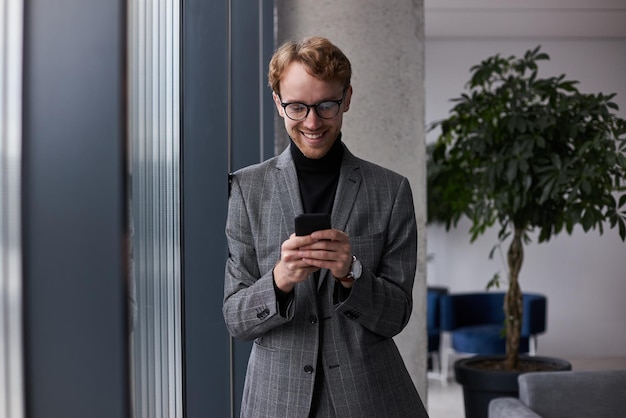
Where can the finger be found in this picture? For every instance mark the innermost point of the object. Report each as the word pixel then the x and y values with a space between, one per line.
pixel 330 234
pixel 333 265
pixel 327 244
pixel 295 242
pixel 297 271
pixel 326 250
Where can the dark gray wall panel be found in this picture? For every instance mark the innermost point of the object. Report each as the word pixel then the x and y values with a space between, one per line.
pixel 227 124
pixel 73 207
pixel 205 193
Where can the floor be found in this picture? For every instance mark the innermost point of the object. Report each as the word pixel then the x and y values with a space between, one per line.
pixel 446 401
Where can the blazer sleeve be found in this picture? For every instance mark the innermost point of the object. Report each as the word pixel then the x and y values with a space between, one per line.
pixel 381 300
pixel 250 306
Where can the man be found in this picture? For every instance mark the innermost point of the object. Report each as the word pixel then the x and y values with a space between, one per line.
pixel 322 308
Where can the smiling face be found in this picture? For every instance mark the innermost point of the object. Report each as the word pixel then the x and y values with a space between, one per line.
pixel 314 136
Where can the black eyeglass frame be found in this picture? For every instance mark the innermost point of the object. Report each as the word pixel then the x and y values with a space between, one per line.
pixel 314 106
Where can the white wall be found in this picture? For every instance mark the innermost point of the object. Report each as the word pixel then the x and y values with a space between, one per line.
pixel 583 275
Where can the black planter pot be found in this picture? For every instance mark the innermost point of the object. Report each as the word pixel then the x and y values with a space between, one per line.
pixel 480 386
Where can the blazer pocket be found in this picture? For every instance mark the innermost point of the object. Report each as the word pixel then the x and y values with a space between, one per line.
pixel 259 344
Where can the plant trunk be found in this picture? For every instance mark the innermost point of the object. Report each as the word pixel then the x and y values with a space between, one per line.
pixel 513 301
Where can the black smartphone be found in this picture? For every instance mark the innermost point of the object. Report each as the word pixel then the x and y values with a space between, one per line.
pixel 307 223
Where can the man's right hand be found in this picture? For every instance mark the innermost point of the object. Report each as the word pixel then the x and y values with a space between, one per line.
pixel 290 269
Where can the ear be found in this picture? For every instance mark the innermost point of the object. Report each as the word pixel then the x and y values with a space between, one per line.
pixel 346 100
pixel 280 109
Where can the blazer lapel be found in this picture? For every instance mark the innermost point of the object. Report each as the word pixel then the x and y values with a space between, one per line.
pixel 345 197
pixel 347 190
pixel 289 197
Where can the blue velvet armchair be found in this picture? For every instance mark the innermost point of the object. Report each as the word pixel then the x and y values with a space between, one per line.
pixel 473 323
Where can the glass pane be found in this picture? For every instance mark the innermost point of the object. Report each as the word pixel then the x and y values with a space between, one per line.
pixel 154 120
pixel 11 347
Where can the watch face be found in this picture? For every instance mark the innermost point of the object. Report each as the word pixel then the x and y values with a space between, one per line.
pixel 357 269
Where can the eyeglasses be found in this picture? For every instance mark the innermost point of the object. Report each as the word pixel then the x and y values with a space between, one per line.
pixel 326 110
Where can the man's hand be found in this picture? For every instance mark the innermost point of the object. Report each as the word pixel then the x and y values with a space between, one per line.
pixel 303 255
pixel 291 269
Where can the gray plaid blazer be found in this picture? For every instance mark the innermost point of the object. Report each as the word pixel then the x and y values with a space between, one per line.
pixel 364 372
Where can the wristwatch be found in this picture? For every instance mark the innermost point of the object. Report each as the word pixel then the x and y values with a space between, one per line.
pixel 356 268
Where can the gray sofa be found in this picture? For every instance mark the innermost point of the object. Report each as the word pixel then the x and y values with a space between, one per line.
pixel 571 394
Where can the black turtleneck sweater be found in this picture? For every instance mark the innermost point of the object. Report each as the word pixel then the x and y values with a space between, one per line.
pixel 318 178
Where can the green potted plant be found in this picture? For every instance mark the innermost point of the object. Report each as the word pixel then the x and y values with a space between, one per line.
pixel 529 155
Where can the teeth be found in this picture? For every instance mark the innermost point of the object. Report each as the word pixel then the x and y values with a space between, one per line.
pixel 312 136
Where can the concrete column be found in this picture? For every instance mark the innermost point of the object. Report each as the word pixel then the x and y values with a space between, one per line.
pixel 384 41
